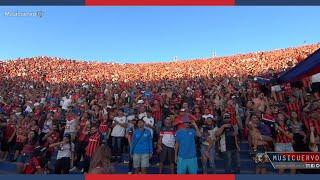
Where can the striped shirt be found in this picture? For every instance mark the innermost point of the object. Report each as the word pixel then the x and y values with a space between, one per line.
pixel 157 113
pixel 94 141
pixel 281 137
pixel 313 123
pixel 294 107
pixel 103 128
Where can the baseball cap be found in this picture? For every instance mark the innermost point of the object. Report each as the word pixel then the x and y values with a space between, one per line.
pixel 140 101
pixel 67 135
pixel 226 116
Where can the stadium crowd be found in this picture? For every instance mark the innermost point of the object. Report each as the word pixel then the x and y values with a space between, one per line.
pixel 58 115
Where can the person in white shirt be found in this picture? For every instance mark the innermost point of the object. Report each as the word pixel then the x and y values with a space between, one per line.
pixel 47 126
pixel 149 121
pixel 207 115
pixel 65 155
pixel 119 125
pixel 142 112
pixel 65 103
pixel 71 125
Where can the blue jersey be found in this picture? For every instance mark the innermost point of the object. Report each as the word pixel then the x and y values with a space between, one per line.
pixel 187 145
pixel 141 142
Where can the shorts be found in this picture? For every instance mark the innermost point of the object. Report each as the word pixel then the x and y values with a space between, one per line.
pixel 283 147
pixel 19 146
pixel 167 153
pixel 315 87
pixel 141 160
pixel 276 88
pixel 187 165
pixel 4 146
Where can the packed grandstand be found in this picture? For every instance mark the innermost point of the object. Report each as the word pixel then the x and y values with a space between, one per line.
pixel 192 116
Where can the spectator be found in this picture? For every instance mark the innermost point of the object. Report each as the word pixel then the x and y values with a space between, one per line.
pixel 229 145
pixel 284 138
pixel 185 148
pixel 118 133
pixel 315 85
pixel 65 155
pixel 141 149
pixel 101 161
pixel 26 152
pixel 208 151
pixel 166 144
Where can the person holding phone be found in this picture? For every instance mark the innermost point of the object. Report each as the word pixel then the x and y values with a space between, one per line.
pixel 65 155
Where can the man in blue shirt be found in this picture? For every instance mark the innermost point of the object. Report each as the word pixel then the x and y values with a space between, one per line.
pixel 185 148
pixel 141 148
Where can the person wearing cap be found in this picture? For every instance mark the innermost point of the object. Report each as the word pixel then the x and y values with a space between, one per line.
pixel 229 144
pixel 183 117
pixel 71 125
pixel 208 139
pixel 185 148
pixel 141 148
pixel 65 155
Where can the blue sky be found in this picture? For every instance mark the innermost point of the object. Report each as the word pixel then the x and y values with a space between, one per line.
pixel 147 34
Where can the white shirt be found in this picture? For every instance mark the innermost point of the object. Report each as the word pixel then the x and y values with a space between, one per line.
pixel 47 126
pixel 315 78
pixel 149 121
pixel 70 126
pixel 207 116
pixel 65 151
pixel 141 115
pixel 119 131
pixel 65 103
pixel 168 138
pixel 28 109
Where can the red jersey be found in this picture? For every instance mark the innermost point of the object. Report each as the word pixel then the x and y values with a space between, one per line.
pixel 313 123
pixel 282 138
pixel 32 166
pixel 28 149
pixel 94 141
pixel 294 107
pixel 9 131
pixel 83 137
pixel 103 128
pixel 268 117
pixel 233 115
pixel 156 113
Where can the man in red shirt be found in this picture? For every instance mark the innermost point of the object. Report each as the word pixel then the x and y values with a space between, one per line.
pixel 294 106
pixel 284 138
pixel 93 144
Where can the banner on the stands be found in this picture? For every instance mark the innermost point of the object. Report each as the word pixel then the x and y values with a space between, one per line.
pixel 296 160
